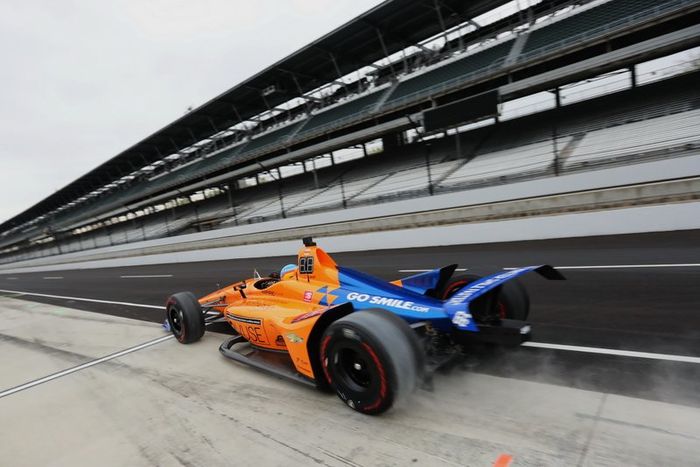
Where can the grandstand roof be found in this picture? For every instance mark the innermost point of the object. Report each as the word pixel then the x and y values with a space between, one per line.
pixel 389 27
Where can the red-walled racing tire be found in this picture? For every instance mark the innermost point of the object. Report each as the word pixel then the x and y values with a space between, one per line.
pixel 369 361
pixel 513 300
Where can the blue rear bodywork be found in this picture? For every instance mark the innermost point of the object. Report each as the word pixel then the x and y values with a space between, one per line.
pixel 410 302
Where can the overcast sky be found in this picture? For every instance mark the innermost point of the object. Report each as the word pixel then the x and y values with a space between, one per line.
pixel 82 80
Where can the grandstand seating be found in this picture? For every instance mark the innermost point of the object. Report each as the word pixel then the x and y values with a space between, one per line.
pixel 413 180
pixel 342 111
pixel 637 138
pixel 274 137
pixel 445 73
pixel 498 160
pixel 601 16
pixel 526 153
pixel 449 71
pixel 536 158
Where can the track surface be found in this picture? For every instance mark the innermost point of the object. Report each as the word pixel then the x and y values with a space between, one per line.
pixel 648 309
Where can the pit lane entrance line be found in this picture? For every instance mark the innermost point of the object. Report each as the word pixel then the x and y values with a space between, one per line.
pixel 59 374
pixel 79 299
pixel 602 266
pixel 541 345
pixel 616 352
pixel 426 270
pixel 145 276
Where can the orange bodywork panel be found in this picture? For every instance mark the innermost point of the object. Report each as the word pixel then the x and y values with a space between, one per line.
pixel 279 315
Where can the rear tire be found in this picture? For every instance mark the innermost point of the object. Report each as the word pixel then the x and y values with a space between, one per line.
pixel 370 360
pixel 513 300
pixel 185 317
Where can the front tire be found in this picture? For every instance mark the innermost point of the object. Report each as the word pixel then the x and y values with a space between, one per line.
pixel 185 317
pixel 369 360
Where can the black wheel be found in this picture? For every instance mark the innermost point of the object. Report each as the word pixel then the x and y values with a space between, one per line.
pixel 418 351
pixel 513 300
pixel 370 360
pixel 185 317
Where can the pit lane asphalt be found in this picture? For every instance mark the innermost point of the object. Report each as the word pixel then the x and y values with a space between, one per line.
pixel 642 309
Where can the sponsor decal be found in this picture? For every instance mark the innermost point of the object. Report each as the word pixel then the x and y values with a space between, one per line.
pixel 308 295
pixel 466 293
pixel 279 341
pixel 243 319
pixel 462 319
pixel 294 339
pixel 386 301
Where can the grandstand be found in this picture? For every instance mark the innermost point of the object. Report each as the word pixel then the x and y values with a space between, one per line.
pixel 340 123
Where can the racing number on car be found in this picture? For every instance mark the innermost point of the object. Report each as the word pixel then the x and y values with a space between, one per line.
pixel 306 265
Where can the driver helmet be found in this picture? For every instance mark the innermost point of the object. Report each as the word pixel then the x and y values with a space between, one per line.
pixel 287 269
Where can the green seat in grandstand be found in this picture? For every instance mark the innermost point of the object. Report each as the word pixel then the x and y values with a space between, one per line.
pixel 342 111
pixel 586 21
pixel 452 71
pixel 276 136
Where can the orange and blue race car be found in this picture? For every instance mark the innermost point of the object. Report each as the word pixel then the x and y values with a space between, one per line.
pixel 369 340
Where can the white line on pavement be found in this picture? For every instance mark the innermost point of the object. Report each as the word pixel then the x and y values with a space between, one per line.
pixel 93 300
pixel 146 276
pixel 626 266
pixel 59 374
pixel 619 353
pixel 541 345
pixel 53 277
pixel 426 270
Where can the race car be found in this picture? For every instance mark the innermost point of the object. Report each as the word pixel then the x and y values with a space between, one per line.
pixel 370 341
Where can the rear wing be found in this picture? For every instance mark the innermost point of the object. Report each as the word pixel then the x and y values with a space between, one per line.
pixel 457 306
pixel 427 282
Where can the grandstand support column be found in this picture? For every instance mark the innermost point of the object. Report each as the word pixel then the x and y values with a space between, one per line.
pixel 441 20
pixel 633 75
pixel 332 159
pixel 364 150
pixel 196 217
pixel 557 97
pixel 339 73
pixel 555 149
pixel 279 193
pixel 313 170
pixel 342 192
pixel 458 144
pixel 427 168
pixel 167 226
pixel 385 50
pixel 231 203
